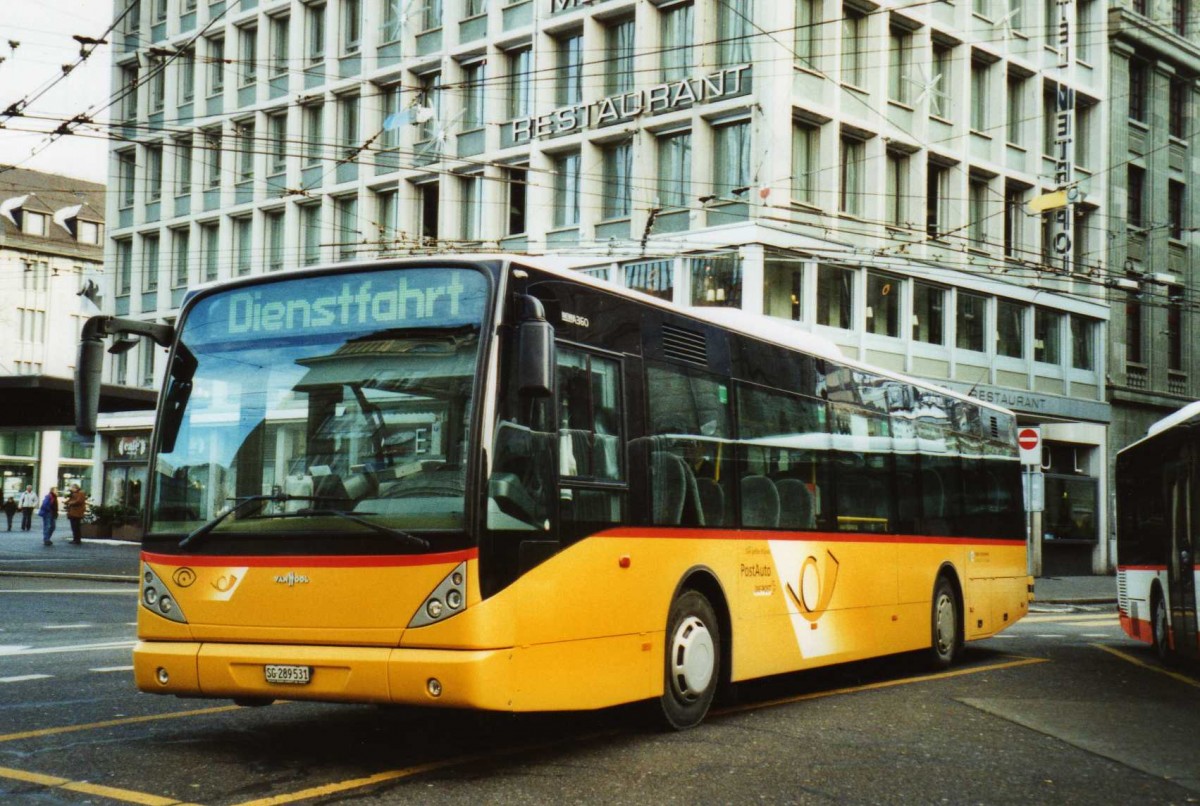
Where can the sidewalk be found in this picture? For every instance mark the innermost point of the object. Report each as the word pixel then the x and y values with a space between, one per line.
pixel 22 553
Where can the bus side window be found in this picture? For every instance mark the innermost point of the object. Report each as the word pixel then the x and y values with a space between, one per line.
pixel 590 448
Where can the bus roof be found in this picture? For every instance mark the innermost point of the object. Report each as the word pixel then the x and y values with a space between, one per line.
pixel 1171 420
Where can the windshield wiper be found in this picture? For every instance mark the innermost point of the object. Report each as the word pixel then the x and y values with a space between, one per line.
pixel 399 534
pixel 241 504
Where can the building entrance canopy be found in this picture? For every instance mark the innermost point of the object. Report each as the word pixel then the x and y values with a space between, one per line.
pixel 45 401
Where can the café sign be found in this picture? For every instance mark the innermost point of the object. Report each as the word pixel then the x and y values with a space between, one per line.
pixel 670 95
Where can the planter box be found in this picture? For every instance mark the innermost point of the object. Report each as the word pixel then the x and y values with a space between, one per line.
pixel 95 530
pixel 128 532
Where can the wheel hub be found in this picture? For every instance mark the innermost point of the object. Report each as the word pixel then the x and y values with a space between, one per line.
pixel 693 659
pixel 944 622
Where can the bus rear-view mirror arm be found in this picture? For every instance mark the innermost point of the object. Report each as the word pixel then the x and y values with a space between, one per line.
pixel 90 365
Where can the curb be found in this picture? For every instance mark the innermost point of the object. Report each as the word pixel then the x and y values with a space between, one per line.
pixel 63 575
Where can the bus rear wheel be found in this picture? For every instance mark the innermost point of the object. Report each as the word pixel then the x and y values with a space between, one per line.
pixel 945 624
pixel 1159 628
pixel 692 661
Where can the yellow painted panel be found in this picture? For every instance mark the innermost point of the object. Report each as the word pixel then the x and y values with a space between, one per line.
pixel 179 659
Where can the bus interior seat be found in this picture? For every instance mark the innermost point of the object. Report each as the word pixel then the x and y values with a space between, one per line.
pixel 796 505
pixel 760 502
pixel 712 501
pixel 675 499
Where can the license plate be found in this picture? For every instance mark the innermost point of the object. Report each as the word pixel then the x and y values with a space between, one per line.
pixel 295 675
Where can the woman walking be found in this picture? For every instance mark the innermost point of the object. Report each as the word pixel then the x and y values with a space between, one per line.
pixel 76 509
pixel 49 513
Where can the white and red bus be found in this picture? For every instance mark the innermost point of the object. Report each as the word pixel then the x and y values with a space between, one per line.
pixel 1158 519
pixel 489 483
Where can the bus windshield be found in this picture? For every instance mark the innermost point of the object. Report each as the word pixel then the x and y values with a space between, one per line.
pixel 329 406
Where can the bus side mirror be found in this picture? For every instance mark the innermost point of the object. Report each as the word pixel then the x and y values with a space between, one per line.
pixel 88 370
pixel 535 358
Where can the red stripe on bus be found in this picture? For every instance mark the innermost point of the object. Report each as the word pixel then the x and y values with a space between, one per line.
pixel 1141 568
pixel 675 533
pixel 1137 629
pixel 318 561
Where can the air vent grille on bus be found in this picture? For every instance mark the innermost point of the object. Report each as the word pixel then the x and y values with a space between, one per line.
pixel 685 345
pixel 994 422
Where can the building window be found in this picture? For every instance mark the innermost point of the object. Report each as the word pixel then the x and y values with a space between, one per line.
pixel 983 8
pixel 149 263
pixel 1136 196
pixel 1133 331
pixel 733 32
pixel 351 26
pixel 394 18
pixel 473 89
pixel 428 210
pixel 674 170
pixel 676 35
pixel 937 207
pixel 431 15
pixel 1086 29
pixel 33 223
pixel 1137 90
pixel 899 54
pixel 277 131
pixel 126 166
pixel 312 122
pixel 969 321
pixel 273 223
pixel 476 8
pixel 1016 110
pixel 186 65
pixel 1177 109
pixel 347 223
pixel 248 53
pixel 128 92
pixel 212 159
pixel 1179 16
pixel 717 281
pixel 566 191
pixel 280 47
pixel 896 189
pixel 835 296
pixel 216 65
pixel 147 349
pixel 1047 330
pixel 430 97
pixel 183 166
pixel 243 245
pixel 314 32
pixel 89 232
pixel 929 313
pixel 348 134
pixel 1010 329
pixel 210 245
pixel 310 234
pixel 569 55
pixel 806 43
pixel 158 87
pixel 1014 221
pixel 124 265
pixel 1083 343
pixel 806 162
pixel 979 94
pixel 154 172
pixel 850 190
pixel 618 68
pixel 854 47
pixel 1175 301
pixel 181 247
pixel 472 207
pixel 883 305
pixel 618 176
pixel 517 179
pixel 520 63
pixel 653 277
pixel 388 220
pixel 977 189
pixel 731 167
pixel 1175 209
pixel 939 80
pixel 246 150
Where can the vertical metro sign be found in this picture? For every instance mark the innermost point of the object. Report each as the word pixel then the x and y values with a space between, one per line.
pixel 1064 140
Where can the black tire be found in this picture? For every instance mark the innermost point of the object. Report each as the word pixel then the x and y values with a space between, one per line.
pixel 691 661
pixel 945 625
pixel 1159 628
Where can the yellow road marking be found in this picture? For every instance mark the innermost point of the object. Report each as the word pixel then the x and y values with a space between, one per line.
pixel 816 695
pixel 133 720
pixel 1182 678
pixel 110 792
pixel 358 783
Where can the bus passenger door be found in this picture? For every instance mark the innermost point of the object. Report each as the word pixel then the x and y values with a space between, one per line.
pixel 1185 517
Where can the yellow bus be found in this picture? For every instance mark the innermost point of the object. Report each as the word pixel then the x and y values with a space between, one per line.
pixel 488 483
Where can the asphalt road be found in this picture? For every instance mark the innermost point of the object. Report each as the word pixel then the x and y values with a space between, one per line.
pixel 1060 709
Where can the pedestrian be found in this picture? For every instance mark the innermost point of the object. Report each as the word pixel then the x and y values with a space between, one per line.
pixel 27 502
pixel 76 509
pixel 10 509
pixel 49 513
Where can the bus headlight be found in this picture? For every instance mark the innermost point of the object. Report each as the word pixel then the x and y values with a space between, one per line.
pixel 444 601
pixel 156 599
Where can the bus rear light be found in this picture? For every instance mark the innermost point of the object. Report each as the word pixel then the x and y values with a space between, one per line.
pixel 157 600
pixel 446 600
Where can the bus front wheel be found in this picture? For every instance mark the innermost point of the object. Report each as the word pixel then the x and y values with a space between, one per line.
pixel 692 661
pixel 945 624
pixel 1159 628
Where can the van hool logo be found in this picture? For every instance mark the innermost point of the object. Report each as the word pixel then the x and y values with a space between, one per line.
pixel 815 586
pixel 291 579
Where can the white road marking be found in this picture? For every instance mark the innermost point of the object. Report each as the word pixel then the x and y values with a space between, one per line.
pixel 53 650
pixel 22 678
pixel 66 626
pixel 1096 635
pixel 112 669
pixel 1050 635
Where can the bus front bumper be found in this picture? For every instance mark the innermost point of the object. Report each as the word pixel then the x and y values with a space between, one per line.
pixel 432 677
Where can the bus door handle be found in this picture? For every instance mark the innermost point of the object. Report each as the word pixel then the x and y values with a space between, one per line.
pixel 1185 557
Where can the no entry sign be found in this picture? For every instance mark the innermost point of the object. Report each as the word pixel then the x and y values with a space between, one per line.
pixel 1029 440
